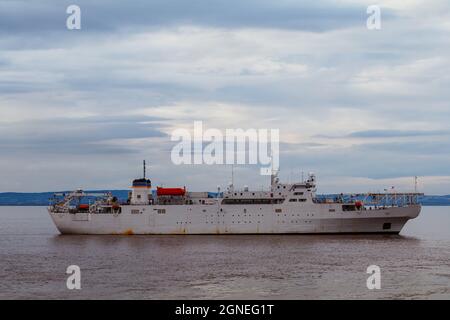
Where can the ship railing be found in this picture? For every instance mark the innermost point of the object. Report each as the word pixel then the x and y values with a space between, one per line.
pixel 396 199
pixel 375 200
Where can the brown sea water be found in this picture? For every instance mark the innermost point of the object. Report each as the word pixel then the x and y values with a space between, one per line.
pixel 34 258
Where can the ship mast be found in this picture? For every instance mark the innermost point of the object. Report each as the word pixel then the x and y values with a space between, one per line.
pixel 231 185
pixel 232 175
pixel 144 168
pixel 273 177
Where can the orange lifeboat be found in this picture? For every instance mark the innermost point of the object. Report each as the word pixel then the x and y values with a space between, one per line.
pixel 170 191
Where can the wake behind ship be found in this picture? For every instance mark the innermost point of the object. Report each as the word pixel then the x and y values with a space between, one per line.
pixel 284 209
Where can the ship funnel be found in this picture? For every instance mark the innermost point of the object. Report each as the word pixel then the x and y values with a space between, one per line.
pixel 141 189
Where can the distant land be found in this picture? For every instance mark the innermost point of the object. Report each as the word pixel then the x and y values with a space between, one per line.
pixel 42 198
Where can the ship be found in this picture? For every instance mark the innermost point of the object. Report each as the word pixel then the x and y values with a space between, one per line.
pixel 283 208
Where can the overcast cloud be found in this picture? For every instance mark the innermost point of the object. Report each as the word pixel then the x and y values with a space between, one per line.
pixel 363 109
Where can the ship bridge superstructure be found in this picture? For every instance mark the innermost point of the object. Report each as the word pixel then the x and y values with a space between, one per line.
pixel 279 193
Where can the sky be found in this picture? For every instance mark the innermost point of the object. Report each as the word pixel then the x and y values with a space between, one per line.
pixel 362 109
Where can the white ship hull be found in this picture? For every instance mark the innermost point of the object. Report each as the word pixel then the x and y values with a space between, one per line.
pixel 307 218
pixel 284 209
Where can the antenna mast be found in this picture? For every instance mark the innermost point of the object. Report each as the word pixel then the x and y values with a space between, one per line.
pixel 232 176
pixel 144 169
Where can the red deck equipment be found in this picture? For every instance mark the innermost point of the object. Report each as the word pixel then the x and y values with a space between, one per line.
pixel 358 204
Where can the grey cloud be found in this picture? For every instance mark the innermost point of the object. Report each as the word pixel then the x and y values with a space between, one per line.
pixel 107 83
pixel 372 161
pixel 101 16
pixel 397 133
pixel 419 148
pixel 13 87
pixel 389 134
pixel 85 135
pixel 65 147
